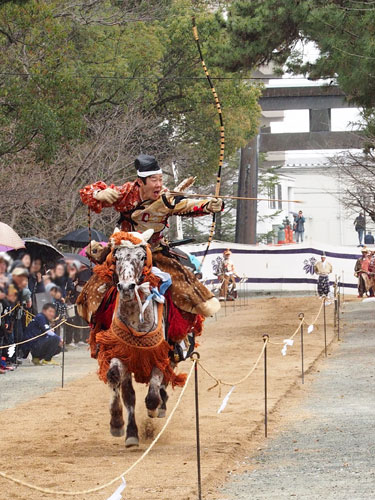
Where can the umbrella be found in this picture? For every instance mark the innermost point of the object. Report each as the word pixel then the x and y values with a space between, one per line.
pixel 70 257
pixel 80 237
pixel 9 239
pixel 38 248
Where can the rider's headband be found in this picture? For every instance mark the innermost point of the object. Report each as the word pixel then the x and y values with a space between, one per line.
pixel 149 172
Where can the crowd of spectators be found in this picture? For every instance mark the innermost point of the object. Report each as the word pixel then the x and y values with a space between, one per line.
pixel 33 300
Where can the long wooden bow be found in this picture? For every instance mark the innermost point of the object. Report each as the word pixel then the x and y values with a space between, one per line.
pixel 222 139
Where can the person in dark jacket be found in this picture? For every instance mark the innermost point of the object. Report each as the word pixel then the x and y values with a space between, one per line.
pixel 45 347
pixel 299 226
pixel 369 239
pixel 6 337
pixel 62 279
pixel 36 284
pixel 360 226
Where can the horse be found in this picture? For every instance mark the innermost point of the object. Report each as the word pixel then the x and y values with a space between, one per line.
pixel 135 344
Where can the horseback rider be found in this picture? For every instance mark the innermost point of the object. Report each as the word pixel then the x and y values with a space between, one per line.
pixel 145 203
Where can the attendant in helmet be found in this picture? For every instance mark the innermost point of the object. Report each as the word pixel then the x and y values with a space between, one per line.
pixel 228 276
pixel 145 203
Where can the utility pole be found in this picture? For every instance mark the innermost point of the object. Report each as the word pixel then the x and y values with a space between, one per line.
pixel 246 222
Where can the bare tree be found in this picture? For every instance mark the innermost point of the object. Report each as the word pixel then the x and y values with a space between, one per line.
pixel 39 199
pixel 356 175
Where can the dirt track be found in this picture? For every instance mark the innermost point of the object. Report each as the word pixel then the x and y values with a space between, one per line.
pixel 61 440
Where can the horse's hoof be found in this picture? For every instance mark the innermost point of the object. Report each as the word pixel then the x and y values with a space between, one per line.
pixel 117 431
pixel 162 413
pixel 131 441
pixel 152 413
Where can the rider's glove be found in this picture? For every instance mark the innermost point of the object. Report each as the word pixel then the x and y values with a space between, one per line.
pixel 215 205
pixel 108 195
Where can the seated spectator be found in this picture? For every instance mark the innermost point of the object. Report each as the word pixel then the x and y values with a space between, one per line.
pixel 45 347
pixel 369 239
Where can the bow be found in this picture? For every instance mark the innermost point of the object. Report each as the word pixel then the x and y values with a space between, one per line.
pixel 222 140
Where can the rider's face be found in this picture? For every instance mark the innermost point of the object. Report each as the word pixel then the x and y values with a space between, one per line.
pixel 151 190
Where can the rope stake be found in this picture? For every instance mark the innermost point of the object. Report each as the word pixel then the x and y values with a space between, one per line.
pixel 195 357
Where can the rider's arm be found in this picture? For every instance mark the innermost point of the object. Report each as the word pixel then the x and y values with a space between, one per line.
pixel 189 207
pixel 89 192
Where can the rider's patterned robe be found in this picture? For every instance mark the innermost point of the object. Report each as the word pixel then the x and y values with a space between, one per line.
pixel 188 294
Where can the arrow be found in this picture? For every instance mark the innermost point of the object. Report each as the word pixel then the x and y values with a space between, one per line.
pixel 227 197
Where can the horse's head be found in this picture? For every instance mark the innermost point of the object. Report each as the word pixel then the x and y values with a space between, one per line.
pixel 131 255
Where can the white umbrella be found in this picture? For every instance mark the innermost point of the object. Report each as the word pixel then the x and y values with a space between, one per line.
pixel 9 237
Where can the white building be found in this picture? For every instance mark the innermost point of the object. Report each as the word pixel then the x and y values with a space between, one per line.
pixel 272 213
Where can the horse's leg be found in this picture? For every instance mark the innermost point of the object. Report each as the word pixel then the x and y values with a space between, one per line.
pixel 153 398
pixel 115 376
pixel 128 396
pixel 164 398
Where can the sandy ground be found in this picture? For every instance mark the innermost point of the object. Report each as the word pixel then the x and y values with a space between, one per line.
pixel 61 439
pixel 29 381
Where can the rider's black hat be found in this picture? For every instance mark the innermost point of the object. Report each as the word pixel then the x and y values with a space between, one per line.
pixel 147 165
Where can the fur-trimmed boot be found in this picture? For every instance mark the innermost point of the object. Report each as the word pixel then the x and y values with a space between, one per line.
pixel 208 308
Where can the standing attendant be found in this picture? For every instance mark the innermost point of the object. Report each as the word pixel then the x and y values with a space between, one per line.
pixel 323 269
pixel 228 276
pixel 360 226
pixel 361 271
pixel 299 227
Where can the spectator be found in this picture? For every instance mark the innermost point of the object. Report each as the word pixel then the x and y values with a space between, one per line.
pixel 26 260
pixel 16 263
pixel 20 283
pixel 323 269
pixel 58 301
pixel 20 277
pixel 48 278
pixel 4 264
pixel 45 347
pixel 62 279
pixel 360 226
pixel 79 276
pixel 36 284
pixel 299 226
pixel 6 337
pixel 12 298
pixel 369 239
